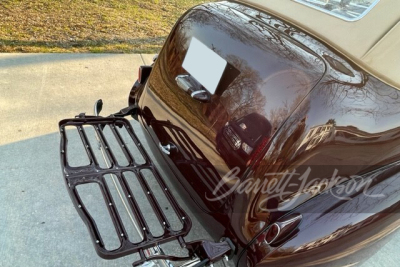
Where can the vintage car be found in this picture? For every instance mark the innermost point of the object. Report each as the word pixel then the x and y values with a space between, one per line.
pixel 278 124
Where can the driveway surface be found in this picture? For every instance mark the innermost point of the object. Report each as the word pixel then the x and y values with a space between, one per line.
pixel 39 225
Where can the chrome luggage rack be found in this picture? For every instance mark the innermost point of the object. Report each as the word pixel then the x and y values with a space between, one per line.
pixel 206 252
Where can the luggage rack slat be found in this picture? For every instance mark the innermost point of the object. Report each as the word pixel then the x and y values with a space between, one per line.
pixel 93 173
pixel 144 228
pixel 122 145
pixel 139 147
pixel 105 145
pixel 86 143
pixel 181 214
pixel 153 201
pixel 110 203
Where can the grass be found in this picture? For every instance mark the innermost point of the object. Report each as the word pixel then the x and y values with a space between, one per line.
pixel 98 26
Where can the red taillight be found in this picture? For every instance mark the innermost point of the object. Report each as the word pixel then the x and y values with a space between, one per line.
pixel 273 233
pixel 258 150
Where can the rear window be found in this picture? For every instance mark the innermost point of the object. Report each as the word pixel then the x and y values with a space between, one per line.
pixel 350 10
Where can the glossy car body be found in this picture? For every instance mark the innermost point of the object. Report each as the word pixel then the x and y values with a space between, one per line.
pixel 329 118
pixel 241 138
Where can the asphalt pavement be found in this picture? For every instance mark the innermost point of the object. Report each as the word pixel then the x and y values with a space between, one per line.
pixel 39 225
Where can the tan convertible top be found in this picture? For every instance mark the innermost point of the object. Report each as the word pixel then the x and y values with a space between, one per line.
pixel 373 42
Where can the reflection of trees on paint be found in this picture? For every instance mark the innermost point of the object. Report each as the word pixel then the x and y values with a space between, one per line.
pixel 278 115
pixel 281 26
pixel 369 98
pixel 250 31
pixel 268 39
pixel 243 96
pixel 286 142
